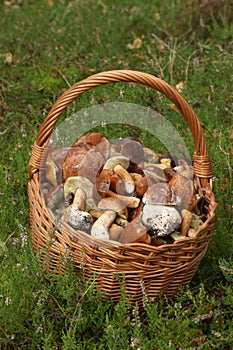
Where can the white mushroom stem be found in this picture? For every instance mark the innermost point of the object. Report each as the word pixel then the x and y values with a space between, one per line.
pixel 186 222
pixel 126 177
pixel 73 183
pixel 79 202
pixel 100 228
pixel 76 215
pixel 130 202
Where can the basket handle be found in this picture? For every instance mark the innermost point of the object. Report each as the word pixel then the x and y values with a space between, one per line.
pixel 202 163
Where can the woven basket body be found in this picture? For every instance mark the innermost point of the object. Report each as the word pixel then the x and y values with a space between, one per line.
pixel 146 271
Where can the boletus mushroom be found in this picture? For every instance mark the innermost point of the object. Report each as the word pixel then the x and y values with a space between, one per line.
pixel 120 164
pixel 160 219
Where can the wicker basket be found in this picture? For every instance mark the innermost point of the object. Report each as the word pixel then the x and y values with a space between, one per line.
pixel 147 271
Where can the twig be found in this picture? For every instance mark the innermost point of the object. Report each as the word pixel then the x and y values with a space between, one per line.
pixel 62 75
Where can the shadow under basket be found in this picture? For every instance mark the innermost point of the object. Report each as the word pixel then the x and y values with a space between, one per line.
pixel 146 271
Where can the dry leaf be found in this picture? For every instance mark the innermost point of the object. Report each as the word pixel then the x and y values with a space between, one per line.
pixel 171 105
pixel 157 16
pixel 180 86
pixel 8 58
pixel 137 43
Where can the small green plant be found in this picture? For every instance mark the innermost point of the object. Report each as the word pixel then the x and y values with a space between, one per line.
pixel 221 29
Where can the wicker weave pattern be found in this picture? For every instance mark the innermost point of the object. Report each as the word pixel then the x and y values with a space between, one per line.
pixel 147 270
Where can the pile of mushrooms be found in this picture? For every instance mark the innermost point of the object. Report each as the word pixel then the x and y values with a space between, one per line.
pixel 122 191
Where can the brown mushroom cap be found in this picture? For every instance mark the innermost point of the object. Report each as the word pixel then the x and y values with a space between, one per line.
pixel 91 165
pixel 169 173
pixel 154 171
pixel 59 155
pixel 159 193
pixel 126 139
pixel 134 232
pixel 143 184
pixel 72 160
pixel 92 140
pixel 183 189
pixel 134 151
pixel 89 153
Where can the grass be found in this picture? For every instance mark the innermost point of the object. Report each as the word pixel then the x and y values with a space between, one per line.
pixel 45 47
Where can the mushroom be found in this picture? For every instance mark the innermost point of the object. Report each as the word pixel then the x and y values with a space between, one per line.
pixel 130 201
pixel 177 236
pixel 105 180
pixel 143 184
pixel 76 215
pixel 186 221
pixel 161 220
pixel 55 198
pixel 183 189
pixel 150 156
pixel 166 162
pixel 152 170
pixel 169 173
pixel 134 232
pixel 157 241
pixel 51 170
pixel 192 233
pixel 136 177
pixel 94 140
pixel 159 193
pixel 102 184
pixel 59 155
pixel 96 213
pixel 133 150
pixel 91 164
pixel 184 169
pixel 119 164
pixel 86 156
pixel 136 168
pixel 196 222
pixel 168 159
pixel 72 160
pixel 114 204
pixel 121 222
pixel 115 232
pixel 122 141
pixel 73 183
pixel 134 213
pixel 100 228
